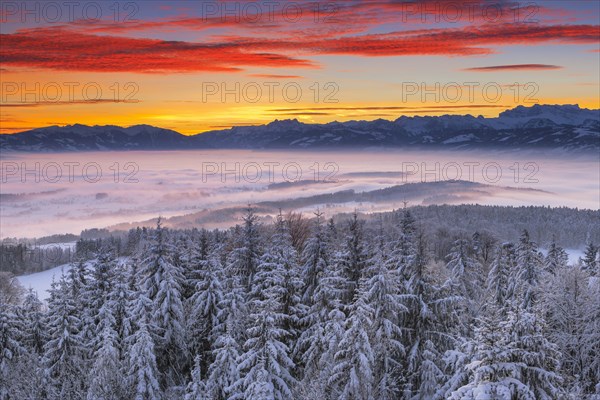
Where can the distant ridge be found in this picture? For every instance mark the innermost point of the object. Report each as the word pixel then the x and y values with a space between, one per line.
pixel 566 127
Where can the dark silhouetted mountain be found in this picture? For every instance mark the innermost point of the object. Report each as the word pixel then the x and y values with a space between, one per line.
pixel 566 127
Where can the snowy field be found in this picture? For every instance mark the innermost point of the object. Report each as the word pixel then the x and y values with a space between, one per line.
pixel 41 282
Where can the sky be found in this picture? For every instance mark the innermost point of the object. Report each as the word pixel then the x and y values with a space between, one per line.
pixel 194 66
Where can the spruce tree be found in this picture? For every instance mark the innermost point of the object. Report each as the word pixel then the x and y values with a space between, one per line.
pixel 265 364
pixel 529 266
pixel 34 329
pixel 315 257
pixel 383 296
pixel 143 373
pixel 244 257
pixel 467 273
pixel 510 359
pixel 589 261
pixel 352 259
pixel 429 323
pixel 556 258
pixel 499 277
pixel 105 379
pixel 162 285
pixel 64 353
pixel 205 307
pixel 10 347
pixel 223 371
pixel 196 389
pixel 353 372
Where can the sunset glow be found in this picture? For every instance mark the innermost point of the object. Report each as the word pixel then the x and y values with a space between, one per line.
pixel 199 66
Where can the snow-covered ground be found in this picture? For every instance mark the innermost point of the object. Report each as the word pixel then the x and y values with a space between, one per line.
pixel 41 281
pixel 574 254
pixel 64 246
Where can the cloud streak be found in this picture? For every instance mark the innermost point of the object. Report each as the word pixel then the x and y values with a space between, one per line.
pixel 515 67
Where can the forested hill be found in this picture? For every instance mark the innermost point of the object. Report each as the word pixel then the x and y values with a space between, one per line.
pixel 569 227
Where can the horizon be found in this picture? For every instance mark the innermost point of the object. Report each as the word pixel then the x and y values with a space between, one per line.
pixel 126 126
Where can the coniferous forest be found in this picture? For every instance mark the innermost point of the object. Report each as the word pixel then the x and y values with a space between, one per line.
pixel 346 309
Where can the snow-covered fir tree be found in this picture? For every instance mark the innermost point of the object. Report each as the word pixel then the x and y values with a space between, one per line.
pixel 265 364
pixel 429 323
pixel 556 258
pixel 589 260
pixel 142 374
pixel 316 256
pixel 529 266
pixel 383 296
pixel 10 347
pixel 466 272
pixel 323 330
pixel 244 257
pixel 567 299
pixel 196 389
pixel 353 376
pixel 205 306
pixel 223 372
pixel 352 258
pixel 34 334
pixel 64 353
pixel 162 284
pixel 499 281
pixel 509 359
pixel 106 376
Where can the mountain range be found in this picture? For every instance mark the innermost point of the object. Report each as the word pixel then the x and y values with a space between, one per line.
pixel 566 127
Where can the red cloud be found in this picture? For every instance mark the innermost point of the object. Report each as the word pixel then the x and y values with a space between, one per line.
pixel 449 41
pixel 323 19
pixel 61 49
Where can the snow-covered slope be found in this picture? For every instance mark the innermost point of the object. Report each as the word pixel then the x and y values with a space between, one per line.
pixel 40 282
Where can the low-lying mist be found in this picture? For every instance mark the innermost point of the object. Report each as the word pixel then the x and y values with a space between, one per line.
pixel 43 194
